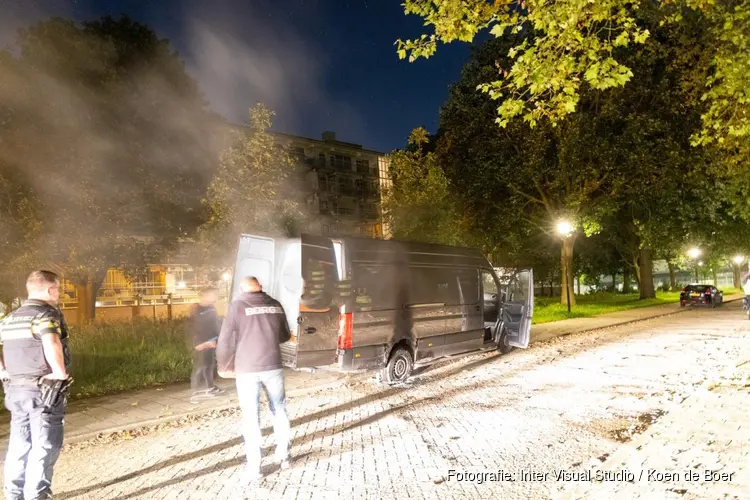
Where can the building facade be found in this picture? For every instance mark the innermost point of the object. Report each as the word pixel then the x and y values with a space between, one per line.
pixel 346 184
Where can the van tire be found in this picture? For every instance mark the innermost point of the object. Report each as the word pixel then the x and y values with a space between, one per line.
pixel 399 366
pixel 502 344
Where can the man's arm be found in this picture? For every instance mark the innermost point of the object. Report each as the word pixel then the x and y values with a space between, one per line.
pixel 49 329
pixel 226 345
pixel 53 353
pixel 285 335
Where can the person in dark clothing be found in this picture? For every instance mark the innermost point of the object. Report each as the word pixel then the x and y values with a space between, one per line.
pixel 35 350
pixel 249 350
pixel 204 331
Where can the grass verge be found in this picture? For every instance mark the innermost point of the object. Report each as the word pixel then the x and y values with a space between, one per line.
pixel 548 309
pixel 114 357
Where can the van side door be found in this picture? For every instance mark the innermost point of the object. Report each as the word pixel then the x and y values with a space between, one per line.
pixel 518 307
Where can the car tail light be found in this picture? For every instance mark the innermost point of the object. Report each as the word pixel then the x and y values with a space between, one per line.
pixel 346 324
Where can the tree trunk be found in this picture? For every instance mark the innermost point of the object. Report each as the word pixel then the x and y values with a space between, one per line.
pixel 736 276
pixel 646 268
pixel 578 284
pixel 614 282
pixel 672 276
pixel 626 279
pixel 85 310
pixel 715 276
pixel 566 281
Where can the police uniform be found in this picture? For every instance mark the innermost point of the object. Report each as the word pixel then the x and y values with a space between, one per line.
pixel 36 433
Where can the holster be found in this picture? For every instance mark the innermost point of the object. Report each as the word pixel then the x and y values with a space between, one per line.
pixel 53 391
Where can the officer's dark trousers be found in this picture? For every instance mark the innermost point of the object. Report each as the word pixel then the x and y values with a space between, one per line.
pixel 204 363
pixel 36 437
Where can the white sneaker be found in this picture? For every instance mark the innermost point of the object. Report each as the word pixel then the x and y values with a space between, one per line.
pixel 284 464
pixel 253 476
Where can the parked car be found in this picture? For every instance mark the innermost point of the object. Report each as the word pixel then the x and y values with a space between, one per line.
pixel 698 294
pixel 359 304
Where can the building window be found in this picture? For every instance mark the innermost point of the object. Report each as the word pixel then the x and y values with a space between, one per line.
pixel 359 184
pixel 341 162
pixel 363 166
pixel 323 206
pixel 322 183
pixel 374 171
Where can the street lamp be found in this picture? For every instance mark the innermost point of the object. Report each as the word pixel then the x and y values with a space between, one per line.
pixel 226 277
pixel 738 259
pixel 565 229
pixel 694 253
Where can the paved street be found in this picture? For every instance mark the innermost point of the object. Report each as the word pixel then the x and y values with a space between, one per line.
pixel 666 394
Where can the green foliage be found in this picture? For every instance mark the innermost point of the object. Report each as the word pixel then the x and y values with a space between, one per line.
pixel 257 189
pixel 576 49
pixel 420 206
pixel 113 137
pixel 108 358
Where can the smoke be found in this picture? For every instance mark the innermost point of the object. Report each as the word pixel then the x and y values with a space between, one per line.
pixel 244 56
pixel 133 156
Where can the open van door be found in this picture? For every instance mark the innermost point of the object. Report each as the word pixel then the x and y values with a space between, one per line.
pixel 256 256
pixel 319 319
pixel 518 307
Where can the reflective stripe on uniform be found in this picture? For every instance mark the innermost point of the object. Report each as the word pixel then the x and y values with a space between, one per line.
pixel 45 326
pixel 16 331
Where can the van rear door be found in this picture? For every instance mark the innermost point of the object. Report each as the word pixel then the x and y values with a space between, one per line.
pixel 256 256
pixel 518 307
pixel 319 322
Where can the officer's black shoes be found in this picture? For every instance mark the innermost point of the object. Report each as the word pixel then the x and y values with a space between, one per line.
pixel 216 391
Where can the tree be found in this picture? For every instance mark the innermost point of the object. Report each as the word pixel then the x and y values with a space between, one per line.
pixel 258 188
pixel 576 49
pixel 518 183
pixel 115 140
pixel 649 124
pixel 420 206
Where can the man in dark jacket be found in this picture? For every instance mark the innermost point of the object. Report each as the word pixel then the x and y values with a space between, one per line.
pixel 204 330
pixel 248 350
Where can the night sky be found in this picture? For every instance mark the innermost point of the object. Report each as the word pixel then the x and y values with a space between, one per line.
pixel 321 65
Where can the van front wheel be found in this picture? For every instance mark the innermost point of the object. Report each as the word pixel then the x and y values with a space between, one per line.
pixel 399 367
pixel 503 344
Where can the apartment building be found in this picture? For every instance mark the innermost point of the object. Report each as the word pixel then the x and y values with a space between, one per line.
pixel 346 184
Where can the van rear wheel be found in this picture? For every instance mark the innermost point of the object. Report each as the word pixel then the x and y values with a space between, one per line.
pixel 399 367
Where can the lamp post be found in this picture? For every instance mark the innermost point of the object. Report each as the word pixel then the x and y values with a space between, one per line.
pixel 226 277
pixel 694 253
pixel 565 229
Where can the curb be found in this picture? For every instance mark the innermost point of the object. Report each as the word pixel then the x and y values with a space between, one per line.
pixel 624 323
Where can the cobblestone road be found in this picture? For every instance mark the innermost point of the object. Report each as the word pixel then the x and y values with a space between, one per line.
pixel 567 404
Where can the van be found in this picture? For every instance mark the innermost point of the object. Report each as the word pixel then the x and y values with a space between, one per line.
pixel 364 304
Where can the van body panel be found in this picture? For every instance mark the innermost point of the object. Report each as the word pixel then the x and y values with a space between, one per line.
pixel 439 300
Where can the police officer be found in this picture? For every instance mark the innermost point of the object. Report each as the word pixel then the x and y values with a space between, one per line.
pixel 35 347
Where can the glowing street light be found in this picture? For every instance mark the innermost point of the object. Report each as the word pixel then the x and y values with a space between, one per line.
pixel 565 229
pixel 226 276
pixel 738 259
pixel 694 253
